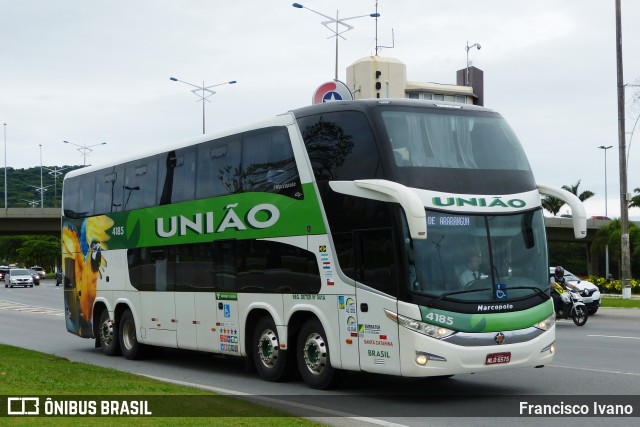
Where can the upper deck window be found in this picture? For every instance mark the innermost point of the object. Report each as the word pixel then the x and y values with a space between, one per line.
pixel 450 138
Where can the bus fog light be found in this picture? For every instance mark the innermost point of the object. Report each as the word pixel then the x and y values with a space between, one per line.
pixel 551 348
pixel 421 359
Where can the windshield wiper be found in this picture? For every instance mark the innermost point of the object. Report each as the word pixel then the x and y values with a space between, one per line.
pixel 443 296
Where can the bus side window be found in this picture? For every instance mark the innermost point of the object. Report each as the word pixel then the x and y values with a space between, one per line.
pixel 79 196
pixel 109 186
pixel 177 176
pixel 268 163
pixel 224 264
pixel 375 260
pixel 275 267
pixel 140 184
pixel 218 167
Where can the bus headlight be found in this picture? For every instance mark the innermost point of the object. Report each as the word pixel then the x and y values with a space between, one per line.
pixel 420 327
pixel 547 323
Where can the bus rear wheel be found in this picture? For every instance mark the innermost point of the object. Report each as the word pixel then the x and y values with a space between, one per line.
pixel 269 359
pixel 131 348
pixel 108 335
pixel 314 362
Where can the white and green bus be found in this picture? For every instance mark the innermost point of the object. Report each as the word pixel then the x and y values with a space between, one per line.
pixel 331 238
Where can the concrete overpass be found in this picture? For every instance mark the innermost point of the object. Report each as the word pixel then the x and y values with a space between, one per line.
pixel 18 221
pixel 561 229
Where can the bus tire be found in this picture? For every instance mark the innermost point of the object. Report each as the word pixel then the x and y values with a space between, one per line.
pixel 129 345
pixel 108 335
pixel 314 362
pixel 269 359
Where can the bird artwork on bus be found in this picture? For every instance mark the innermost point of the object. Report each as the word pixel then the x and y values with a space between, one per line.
pixel 83 263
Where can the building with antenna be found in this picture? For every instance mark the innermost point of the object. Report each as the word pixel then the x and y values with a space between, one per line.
pixel 384 77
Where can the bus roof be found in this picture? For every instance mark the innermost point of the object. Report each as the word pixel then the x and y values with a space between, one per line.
pixel 368 104
pixel 282 120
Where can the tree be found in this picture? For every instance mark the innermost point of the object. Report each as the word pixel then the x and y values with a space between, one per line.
pixel 552 204
pixel 40 250
pixel 610 235
pixel 635 200
pixel 574 189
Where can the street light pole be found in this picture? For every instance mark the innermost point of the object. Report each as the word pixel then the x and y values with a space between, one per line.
pixel 5 166
pixel 55 173
pixel 84 149
pixel 41 186
pixel 606 210
pixel 468 48
pixel 338 21
pixel 206 92
pixel 625 246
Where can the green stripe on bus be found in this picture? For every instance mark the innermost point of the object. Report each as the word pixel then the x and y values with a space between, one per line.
pixel 487 322
pixel 236 216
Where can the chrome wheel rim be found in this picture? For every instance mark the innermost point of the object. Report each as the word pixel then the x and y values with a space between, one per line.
pixel 268 348
pixel 128 335
pixel 315 353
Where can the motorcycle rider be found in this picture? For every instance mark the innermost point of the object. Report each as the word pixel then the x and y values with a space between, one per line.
pixel 558 285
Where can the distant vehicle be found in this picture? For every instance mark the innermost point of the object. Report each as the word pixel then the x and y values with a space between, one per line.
pixel 3 271
pixel 601 217
pixel 40 271
pixel 566 216
pixel 589 292
pixel 18 277
pixel 35 275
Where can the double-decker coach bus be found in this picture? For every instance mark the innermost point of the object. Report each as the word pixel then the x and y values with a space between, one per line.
pixel 332 238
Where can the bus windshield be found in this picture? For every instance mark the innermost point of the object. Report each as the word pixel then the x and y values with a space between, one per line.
pixel 479 257
pixel 450 138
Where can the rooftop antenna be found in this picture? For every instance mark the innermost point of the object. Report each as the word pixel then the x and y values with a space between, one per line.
pixel 393 42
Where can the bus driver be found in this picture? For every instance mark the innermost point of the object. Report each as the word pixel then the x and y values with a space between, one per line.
pixel 471 272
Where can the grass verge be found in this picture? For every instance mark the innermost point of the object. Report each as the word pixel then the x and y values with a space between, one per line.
pixel 620 303
pixel 29 373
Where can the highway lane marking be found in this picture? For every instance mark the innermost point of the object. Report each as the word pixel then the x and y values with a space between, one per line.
pixel 615 336
pixel 275 400
pixel 604 371
pixel 15 306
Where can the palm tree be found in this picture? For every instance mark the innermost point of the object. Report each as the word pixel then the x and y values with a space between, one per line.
pixel 574 189
pixel 635 200
pixel 552 204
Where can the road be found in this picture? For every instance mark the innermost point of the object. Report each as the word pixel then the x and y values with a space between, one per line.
pixel 594 363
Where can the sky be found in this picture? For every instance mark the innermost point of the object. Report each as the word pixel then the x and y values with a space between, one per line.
pixel 89 71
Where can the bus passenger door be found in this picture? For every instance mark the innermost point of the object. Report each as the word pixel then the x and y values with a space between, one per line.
pixel 158 306
pixel 377 283
pixel 227 325
pixel 186 320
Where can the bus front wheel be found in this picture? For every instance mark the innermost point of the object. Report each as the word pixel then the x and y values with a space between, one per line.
pixel 314 361
pixel 131 348
pixel 269 359
pixel 108 334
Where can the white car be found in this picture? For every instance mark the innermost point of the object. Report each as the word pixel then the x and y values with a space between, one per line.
pixel 18 277
pixel 589 292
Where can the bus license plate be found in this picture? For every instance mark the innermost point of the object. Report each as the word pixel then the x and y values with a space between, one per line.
pixel 495 358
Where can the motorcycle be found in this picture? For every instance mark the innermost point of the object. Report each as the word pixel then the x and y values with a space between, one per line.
pixel 571 305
